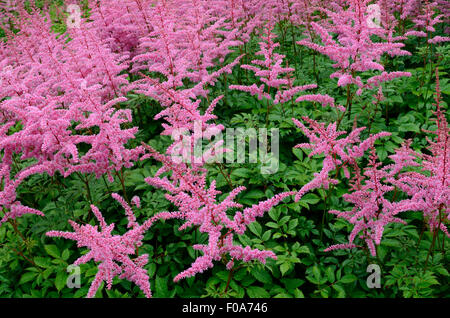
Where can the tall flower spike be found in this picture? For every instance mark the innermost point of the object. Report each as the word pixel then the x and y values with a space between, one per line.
pixel 430 188
pixel 276 79
pixel 113 251
pixel 425 23
pixel 354 50
pixel 198 206
pixel 339 153
pixel 372 211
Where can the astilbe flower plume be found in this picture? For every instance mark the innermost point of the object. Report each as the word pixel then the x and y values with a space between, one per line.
pixel 426 21
pixel 340 153
pixel 444 7
pixel 242 17
pixel 184 42
pixel 187 124
pixel 406 8
pixel 276 79
pixel 372 211
pixel 121 24
pixel 198 206
pixel 394 32
pixel 354 51
pixel 429 188
pixel 114 252
pixel 306 11
pixel 56 97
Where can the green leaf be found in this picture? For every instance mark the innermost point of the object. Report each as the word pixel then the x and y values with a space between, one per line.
pixel 223 275
pixel 266 235
pixel 284 268
pixel 330 275
pixel 241 173
pixel 257 292
pixel 292 283
pixel 161 287
pixel 282 295
pixel 52 250
pixel 261 275
pixel 284 220
pixel 60 280
pixel 298 293
pixel 28 276
pixel 256 228
pixel 349 278
pixel 340 290
pixel 409 127
pixel 442 271
pixel 42 262
pixel 272 225
pixel 65 254
pixel 316 273
pixel 254 194
pixel 310 198
pixel 391 243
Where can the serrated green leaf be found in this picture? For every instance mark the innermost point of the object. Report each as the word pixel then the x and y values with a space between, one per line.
pixel 284 268
pixel 52 250
pixel 257 292
pixel 261 275
pixel 349 278
pixel 60 280
pixel 28 276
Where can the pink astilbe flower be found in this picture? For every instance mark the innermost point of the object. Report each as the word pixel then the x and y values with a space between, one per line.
pixel 113 251
pixel 444 7
pixel 184 42
pixel 60 95
pixel 372 211
pixel 430 188
pixel 121 23
pixel 198 206
pixel 406 8
pixel 187 125
pixel 339 153
pixel 270 69
pixel 425 23
pixel 354 51
pixel 302 12
pixel 389 23
pixel 242 17
pixel 340 247
pixel 16 209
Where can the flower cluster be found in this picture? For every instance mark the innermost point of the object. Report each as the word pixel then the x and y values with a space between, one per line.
pixel 429 189
pixel 62 98
pixel 113 251
pixel 58 98
pixel 269 71
pixel 354 51
pixel 372 211
pixel 339 153
pixel 197 204
pixel 425 22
